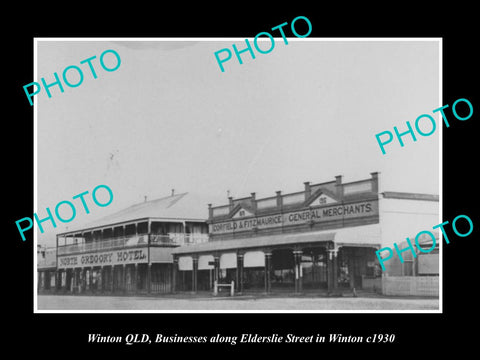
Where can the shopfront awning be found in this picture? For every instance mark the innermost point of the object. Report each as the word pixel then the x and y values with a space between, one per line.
pixel 368 235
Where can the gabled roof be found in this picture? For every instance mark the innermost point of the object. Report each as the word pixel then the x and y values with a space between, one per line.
pixel 365 235
pixel 185 206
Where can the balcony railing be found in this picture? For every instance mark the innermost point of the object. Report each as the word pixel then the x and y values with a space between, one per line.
pixel 174 239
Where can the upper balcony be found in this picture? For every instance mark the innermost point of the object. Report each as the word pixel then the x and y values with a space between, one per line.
pixel 170 240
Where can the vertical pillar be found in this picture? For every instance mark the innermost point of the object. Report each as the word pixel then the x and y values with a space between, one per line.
pixel 102 279
pixel 297 260
pixel 90 278
pixel 61 285
pixel 67 281
pixel 210 279
pixel 335 269
pixel 194 273
pixel 351 269
pixel 112 273
pixel 374 181
pixel 174 274
pixel 308 190
pixel 73 282
pixel 93 280
pixel 279 199
pixel 135 278
pixel 332 270
pixel 60 279
pixel 239 274
pixel 85 280
pixel 79 280
pixel 56 279
pixel 268 261
pixel 44 281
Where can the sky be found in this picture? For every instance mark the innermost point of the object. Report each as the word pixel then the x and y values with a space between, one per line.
pixel 168 118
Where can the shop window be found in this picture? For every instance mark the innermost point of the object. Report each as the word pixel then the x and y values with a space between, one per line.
pixel 343 274
pixel 283 277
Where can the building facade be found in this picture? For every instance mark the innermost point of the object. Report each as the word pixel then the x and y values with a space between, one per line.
pixel 322 238
pixel 129 251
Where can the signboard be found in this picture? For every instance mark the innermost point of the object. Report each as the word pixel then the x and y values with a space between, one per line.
pixel 316 215
pixel 104 258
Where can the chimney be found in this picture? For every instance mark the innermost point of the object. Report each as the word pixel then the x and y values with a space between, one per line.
pixel 374 176
pixel 210 211
pixel 145 198
pixel 253 202
pixel 173 192
pixel 339 186
pixel 338 180
pixel 308 190
pixel 230 203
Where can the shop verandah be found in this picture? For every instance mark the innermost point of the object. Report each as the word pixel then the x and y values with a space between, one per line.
pixel 293 263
